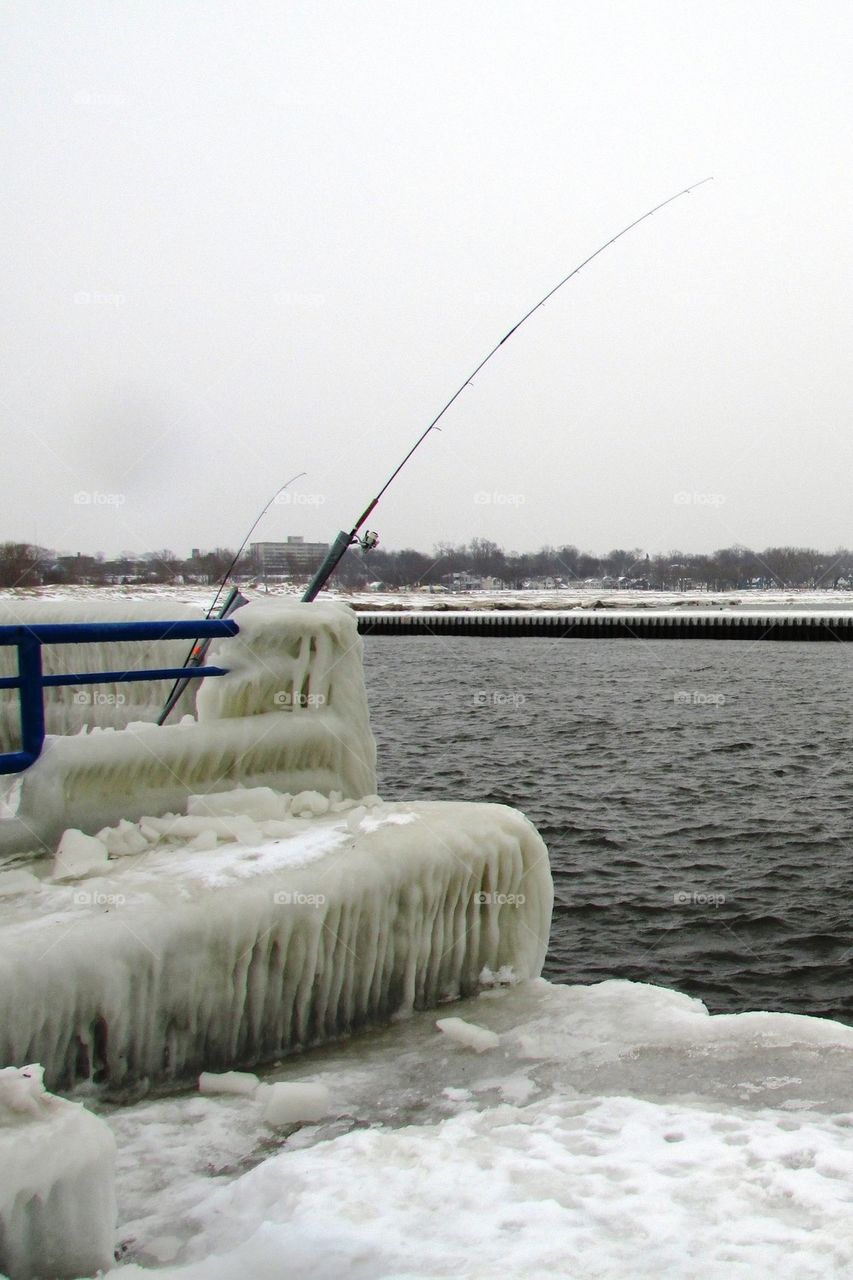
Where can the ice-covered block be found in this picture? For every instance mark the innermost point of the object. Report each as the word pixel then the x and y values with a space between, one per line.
pixel 57 1183
pixel 257 803
pixel 235 1082
pixel 78 856
pixel 187 960
pixel 468 1034
pixel 294 1103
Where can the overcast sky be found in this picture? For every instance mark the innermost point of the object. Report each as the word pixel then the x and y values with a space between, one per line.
pixel 244 240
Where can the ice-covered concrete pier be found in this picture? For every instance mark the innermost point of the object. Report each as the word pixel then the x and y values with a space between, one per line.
pixel 235 939
pixel 231 889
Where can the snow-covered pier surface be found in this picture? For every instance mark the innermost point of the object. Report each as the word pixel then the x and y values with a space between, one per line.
pixel 248 928
pixel 616 1131
pixel 57 1183
pixel 291 714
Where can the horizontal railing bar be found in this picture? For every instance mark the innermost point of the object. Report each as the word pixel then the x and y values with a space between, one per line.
pixel 88 632
pixel 119 677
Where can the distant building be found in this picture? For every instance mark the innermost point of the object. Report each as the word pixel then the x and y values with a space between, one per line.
pixel 279 559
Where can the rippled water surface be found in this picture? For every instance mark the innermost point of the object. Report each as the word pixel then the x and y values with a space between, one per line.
pixel 694 795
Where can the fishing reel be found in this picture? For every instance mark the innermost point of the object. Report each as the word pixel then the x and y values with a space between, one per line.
pixel 368 542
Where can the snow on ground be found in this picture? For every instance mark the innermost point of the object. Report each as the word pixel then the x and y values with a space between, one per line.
pixel 615 1130
pixel 796 599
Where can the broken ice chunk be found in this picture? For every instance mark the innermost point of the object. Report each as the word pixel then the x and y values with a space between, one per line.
pixel 309 804
pixel 78 856
pixel 239 1082
pixel 294 1103
pixel 468 1034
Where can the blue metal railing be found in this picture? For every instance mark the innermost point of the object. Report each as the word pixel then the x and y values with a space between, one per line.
pixel 30 680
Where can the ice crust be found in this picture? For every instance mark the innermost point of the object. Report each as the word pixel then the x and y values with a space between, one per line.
pixel 618 1131
pixel 279 933
pixel 57 1182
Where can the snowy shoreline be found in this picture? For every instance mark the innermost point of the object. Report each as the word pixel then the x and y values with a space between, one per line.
pixel 536 600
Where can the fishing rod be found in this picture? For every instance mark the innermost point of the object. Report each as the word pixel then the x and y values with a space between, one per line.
pixel 199 649
pixel 345 540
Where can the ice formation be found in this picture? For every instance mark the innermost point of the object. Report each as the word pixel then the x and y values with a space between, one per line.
pixel 468 1034
pixel 294 1103
pixel 291 714
pixel 275 932
pixel 57 1189
pixel 242 1083
pixel 619 1131
pixel 70 709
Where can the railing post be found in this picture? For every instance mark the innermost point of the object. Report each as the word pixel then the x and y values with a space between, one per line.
pixel 32 704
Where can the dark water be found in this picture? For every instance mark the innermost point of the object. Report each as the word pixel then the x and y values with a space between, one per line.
pixel 695 797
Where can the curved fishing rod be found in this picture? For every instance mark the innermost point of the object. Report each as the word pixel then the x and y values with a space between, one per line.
pixel 198 650
pixel 345 540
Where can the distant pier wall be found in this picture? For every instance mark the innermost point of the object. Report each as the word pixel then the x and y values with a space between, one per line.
pixel 606 625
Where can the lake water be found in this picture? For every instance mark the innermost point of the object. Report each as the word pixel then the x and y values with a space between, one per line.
pixel 694 796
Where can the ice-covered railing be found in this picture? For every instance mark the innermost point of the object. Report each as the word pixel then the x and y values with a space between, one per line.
pixel 110 705
pixel 31 680
pixel 290 714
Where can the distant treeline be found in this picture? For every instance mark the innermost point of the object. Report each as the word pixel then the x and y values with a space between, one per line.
pixel 480 563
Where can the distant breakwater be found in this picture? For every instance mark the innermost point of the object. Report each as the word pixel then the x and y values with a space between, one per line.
pixel 574 625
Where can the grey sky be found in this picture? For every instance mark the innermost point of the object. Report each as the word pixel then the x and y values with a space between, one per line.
pixel 245 240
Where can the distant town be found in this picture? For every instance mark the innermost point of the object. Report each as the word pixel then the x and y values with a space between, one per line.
pixel 480 565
